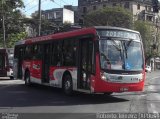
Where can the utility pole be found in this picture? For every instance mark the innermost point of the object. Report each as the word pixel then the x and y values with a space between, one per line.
pixel 3 25
pixel 40 18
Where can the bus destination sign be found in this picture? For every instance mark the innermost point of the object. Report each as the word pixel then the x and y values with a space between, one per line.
pixel 118 34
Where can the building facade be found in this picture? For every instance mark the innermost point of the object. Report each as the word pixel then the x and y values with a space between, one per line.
pixel 141 9
pixel 57 15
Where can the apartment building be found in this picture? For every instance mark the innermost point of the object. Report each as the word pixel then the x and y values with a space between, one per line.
pixel 141 9
pixel 57 15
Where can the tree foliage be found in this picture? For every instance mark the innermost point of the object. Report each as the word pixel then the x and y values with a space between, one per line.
pixel 13 18
pixel 15 37
pixel 109 16
pixel 147 31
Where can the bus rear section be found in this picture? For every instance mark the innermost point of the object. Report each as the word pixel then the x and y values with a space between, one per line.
pixel 5 68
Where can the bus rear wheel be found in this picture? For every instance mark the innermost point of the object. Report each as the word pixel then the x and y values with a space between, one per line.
pixel 27 79
pixel 68 85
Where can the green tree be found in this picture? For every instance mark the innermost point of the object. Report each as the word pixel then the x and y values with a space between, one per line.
pixel 47 26
pixel 13 18
pixel 14 38
pixel 147 31
pixel 109 16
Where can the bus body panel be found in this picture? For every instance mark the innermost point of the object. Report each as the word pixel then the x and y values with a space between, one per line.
pixel 56 73
pixel 35 69
pixel 102 86
pixel 56 76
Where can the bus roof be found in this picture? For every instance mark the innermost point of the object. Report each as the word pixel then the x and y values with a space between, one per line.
pixel 115 28
pixel 63 35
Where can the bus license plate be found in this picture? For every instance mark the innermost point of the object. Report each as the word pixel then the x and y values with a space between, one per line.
pixel 123 89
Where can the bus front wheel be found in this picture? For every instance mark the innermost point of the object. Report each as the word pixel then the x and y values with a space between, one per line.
pixel 27 79
pixel 68 85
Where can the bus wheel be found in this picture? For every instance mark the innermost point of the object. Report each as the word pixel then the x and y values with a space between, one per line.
pixel 27 79
pixel 67 85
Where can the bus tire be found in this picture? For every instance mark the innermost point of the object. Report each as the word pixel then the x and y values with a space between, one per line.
pixel 67 85
pixel 27 79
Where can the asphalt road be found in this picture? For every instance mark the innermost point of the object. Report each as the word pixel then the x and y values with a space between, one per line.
pixel 32 102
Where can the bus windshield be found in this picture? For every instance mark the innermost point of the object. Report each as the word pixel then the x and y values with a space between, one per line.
pixel 121 54
pixel 10 58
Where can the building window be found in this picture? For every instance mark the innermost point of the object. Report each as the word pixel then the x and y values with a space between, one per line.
pixel 58 15
pixel 149 18
pixel 146 8
pixel 94 7
pixel 126 5
pixel 84 9
pixel 50 16
pixel 114 4
pixel 43 16
pixel 104 6
pixel 120 4
pixel 69 52
pixel 149 8
pixel 138 7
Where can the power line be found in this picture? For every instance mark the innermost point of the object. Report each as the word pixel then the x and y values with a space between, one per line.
pixel 29 3
pixel 33 7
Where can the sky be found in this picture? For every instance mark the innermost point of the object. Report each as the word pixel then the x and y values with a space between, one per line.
pixel 32 5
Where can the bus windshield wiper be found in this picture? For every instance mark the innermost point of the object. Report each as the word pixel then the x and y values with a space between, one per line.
pixel 126 46
pixel 116 45
pixel 129 43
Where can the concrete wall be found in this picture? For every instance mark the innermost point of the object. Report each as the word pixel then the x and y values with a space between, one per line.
pixel 68 16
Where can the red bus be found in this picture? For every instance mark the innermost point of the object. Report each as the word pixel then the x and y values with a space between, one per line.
pixel 6 62
pixel 100 59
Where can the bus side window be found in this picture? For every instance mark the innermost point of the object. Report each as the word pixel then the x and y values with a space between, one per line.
pixel 91 57
pixel 56 51
pixel 37 51
pixel 69 52
pixel 28 52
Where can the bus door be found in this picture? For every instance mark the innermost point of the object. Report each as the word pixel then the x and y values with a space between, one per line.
pixel 46 63
pixel 3 71
pixel 20 59
pixel 85 63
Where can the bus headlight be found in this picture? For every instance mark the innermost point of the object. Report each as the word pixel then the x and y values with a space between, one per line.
pixel 103 76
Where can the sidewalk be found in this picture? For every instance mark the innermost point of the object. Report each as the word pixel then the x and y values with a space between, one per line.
pixel 152 75
pixel 5 78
